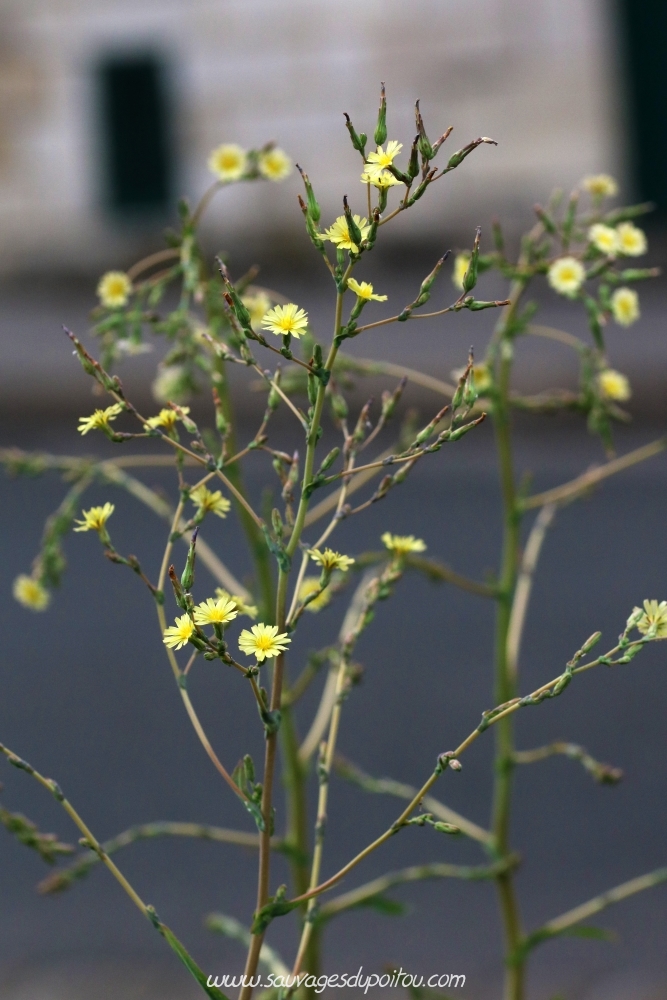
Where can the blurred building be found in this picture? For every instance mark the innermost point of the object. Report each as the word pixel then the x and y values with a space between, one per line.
pixel 110 108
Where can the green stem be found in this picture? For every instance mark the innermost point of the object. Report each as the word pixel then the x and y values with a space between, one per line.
pixel 504 682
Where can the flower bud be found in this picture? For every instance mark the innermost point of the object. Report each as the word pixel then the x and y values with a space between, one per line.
pixel 380 134
pixel 188 577
pixel 425 147
pixel 358 141
pixel 313 206
pixel 352 227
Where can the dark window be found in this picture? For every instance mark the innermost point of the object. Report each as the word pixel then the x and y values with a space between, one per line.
pixel 135 132
pixel 643 32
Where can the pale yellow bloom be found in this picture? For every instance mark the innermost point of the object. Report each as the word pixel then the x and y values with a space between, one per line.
pixel 96 518
pixel 99 419
pixel 242 605
pixel 481 376
pixel 30 593
pixel 167 419
pixel 310 585
pixel 654 614
pixel 263 641
pixel 257 305
pixel 382 158
pixel 379 179
pixel 401 545
pixel 274 164
pixel 461 263
pixel 364 290
pixel 212 612
pixel 632 240
pixel 614 385
pixel 170 384
pixel 340 236
pixel 114 289
pixel 600 185
pixel 605 238
pixel 207 501
pixel 625 306
pixel 228 162
pixel 286 319
pixel 177 635
pixel 331 560
pixel 566 275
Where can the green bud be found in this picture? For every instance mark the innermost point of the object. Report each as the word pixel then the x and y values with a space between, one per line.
pixel 470 277
pixel 413 163
pixel 425 147
pixel 339 406
pixel 277 523
pixel 329 460
pixel 545 219
pixel 352 227
pixel 590 642
pixel 358 141
pixel 188 577
pixel 380 134
pixel 313 206
pixel 312 389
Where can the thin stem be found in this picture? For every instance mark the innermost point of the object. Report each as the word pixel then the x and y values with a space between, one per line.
pixel 523 587
pixel 605 899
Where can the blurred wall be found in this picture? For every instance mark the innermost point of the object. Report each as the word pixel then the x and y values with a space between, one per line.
pixel 537 75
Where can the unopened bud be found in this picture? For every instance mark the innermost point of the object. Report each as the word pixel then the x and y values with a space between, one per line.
pixel 380 134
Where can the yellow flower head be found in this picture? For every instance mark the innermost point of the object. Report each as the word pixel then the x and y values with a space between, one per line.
pixel 631 239
pixel 207 501
pixel 96 518
pixel 605 239
pixel 339 235
pixel 228 162
pixel 212 612
pixel 99 419
pixel 30 593
pixel 263 641
pixel 654 615
pixel 242 605
pixel 114 289
pixel 600 185
pixel 481 376
pixel 274 164
pixel 379 179
pixel 167 419
pixel 625 306
pixel 286 319
pixel 566 275
pixel 177 635
pixel 257 305
pixel 364 290
pixel 461 262
pixel 310 585
pixel 401 545
pixel 614 385
pixel 382 158
pixel 331 560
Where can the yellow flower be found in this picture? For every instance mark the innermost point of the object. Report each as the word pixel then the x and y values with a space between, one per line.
pixel 242 605
pixel 99 419
pixel 481 375
pixel 263 641
pixel 167 419
pixel 566 275
pixel 331 560
pixel 257 305
pixel 600 185
pixel 382 158
pixel 212 612
pixel 209 501
pixel 605 239
pixel 310 585
pixel 401 545
pixel 340 236
pixel 461 262
pixel 274 164
pixel 614 385
pixel 30 593
pixel 364 290
pixel 286 319
pixel 632 240
pixel 654 615
pixel 96 518
pixel 228 162
pixel 381 179
pixel 177 635
pixel 625 306
pixel 114 289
